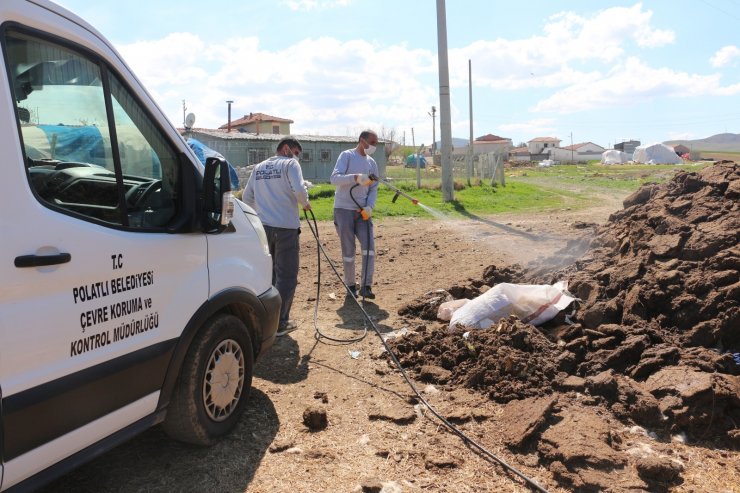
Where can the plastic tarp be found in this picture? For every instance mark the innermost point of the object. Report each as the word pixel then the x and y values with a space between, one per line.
pixel 656 154
pixel 411 161
pixel 77 144
pixel 613 156
pixel 203 152
pixel 86 144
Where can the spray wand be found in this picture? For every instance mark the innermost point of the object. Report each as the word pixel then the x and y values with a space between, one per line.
pixel 397 190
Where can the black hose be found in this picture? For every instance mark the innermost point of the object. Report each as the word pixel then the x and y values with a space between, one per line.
pixel 320 335
pixel 454 429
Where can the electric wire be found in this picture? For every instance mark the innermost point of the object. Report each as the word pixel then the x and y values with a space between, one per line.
pixel 451 427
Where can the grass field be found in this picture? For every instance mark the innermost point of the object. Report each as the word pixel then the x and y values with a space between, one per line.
pixel 527 189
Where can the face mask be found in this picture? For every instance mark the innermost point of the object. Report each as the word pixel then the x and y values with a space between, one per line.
pixel 369 151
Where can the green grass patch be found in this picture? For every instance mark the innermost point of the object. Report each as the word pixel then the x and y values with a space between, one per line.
pixel 526 190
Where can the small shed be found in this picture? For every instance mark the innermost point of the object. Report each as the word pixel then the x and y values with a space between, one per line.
pixel 319 156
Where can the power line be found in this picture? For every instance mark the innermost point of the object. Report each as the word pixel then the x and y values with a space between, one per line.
pixel 721 10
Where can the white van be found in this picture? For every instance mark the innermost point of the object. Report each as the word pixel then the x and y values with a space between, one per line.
pixel 130 296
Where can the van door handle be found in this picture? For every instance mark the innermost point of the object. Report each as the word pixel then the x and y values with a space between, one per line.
pixel 42 260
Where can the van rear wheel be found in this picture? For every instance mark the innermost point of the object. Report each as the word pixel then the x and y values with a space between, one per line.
pixel 214 383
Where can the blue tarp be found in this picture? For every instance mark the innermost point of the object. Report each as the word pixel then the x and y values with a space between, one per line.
pixel 87 145
pixel 77 144
pixel 203 152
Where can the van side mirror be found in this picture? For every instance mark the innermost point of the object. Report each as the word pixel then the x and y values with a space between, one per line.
pixel 218 207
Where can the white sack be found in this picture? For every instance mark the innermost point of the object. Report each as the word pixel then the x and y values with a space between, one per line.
pixel 535 304
pixel 446 309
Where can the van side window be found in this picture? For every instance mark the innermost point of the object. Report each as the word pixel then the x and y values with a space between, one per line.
pixel 75 162
pixel 148 163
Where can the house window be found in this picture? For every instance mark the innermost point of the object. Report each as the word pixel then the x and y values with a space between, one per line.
pixel 276 129
pixel 325 155
pixel 261 155
pixel 252 156
pixel 307 156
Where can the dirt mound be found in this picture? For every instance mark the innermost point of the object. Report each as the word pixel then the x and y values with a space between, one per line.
pixel 513 360
pixel 670 257
pixel 655 339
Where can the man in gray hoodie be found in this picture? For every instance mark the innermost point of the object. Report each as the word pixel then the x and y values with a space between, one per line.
pixel 275 189
pixel 354 201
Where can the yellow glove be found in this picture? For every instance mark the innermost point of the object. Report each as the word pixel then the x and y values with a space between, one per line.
pixel 363 180
pixel 366 213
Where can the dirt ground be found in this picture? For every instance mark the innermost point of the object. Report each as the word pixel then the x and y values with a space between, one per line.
pixel 378 438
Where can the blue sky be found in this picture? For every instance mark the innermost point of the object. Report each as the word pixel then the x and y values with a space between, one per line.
pixel 601 71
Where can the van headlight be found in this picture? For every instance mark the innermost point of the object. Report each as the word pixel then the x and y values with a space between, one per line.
pixel 257 225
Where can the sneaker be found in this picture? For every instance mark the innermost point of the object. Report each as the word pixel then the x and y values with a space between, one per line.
pixel 286 328
pixel 352 290
pixel 367 292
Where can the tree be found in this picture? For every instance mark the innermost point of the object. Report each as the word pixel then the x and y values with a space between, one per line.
pixel 389 136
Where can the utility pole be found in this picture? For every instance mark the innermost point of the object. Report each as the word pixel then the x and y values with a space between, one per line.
pixel 445 123
pixel 184 108
pixel 571 148
pixel 470 102
pixel 228 124
pixel 416 156
pixel 434 126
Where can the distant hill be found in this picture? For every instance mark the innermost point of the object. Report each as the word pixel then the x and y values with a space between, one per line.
pixel 456 143
pixel 721 142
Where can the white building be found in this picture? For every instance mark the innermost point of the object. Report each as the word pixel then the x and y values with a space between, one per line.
pixel 576 153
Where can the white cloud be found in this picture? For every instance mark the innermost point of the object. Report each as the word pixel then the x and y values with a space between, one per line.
pixel 632 82
pixel 725 56
pixel 537 126
pixel 324 85
pixel 567 40
pixel 681 136
pixel 315 4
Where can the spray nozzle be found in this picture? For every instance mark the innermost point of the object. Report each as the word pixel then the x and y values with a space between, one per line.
pixel 395 197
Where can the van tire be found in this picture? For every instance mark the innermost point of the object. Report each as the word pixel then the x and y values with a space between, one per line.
pixel 201 413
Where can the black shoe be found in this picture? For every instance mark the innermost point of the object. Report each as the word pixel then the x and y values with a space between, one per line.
pixel 367 292
pixel 352 291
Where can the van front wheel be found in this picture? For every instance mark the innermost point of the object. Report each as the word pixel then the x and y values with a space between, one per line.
pixel 214 383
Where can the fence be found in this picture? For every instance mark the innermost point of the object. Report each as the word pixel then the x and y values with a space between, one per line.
pixel 487 168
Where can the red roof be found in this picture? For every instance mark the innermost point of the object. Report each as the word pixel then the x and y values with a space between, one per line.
pixel 519 150
pixel 575 147
pixel 545 139
pixel 491 138
pixel 254 118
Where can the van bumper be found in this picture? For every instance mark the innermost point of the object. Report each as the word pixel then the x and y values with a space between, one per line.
pixel 271 302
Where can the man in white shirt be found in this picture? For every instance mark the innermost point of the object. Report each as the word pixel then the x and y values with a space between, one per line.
pixel 354 201
pixel 275 189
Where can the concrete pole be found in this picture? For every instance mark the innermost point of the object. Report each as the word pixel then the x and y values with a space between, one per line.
pixel 434 135
pixel 470 103
pixel 445 121
pixel 571 148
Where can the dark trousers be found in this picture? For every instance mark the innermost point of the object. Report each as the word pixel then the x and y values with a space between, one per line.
pixel 283 243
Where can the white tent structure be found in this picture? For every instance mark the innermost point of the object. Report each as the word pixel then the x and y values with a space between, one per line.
pixel 656 154
pixel 613 156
